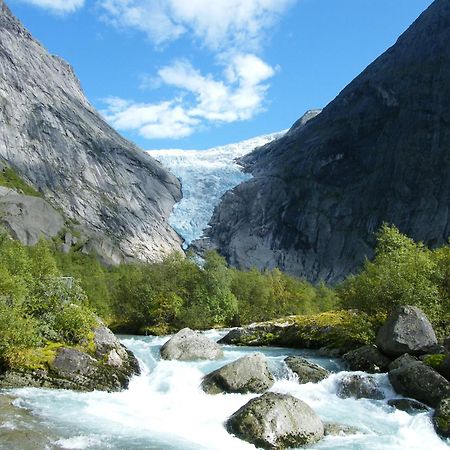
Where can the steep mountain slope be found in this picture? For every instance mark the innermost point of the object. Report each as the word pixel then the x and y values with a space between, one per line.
pixel 205 175
pixel 379 152
pixel 51 136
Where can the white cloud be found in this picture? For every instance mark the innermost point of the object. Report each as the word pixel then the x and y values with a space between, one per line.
pixel 218 24
pixel 233 30
pixel 58 6
pixel 205 100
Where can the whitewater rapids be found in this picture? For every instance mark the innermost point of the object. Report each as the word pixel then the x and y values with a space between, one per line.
pixel 165 408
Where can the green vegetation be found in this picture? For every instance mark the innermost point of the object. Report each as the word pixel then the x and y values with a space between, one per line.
pixel 402 273
pixel 9 178
pixel 40 310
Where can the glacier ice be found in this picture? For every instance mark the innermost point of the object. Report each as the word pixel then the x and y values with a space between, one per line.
pixel 205 176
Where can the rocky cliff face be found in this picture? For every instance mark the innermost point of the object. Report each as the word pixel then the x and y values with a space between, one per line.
pixel 51 136
pixel 378 152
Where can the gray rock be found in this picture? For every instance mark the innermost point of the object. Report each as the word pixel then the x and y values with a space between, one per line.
pixel 28 218
pixel 358 386
pixel 408 405
pixel 276 421
pixel 56 141
pixel 367 359
pixel 318 194
pixel 446 344
pixel 247 374
pixel 306 371
pixel 441 418
pixel 444 368
pixel 337 429
pixel 420 382
pixel 402 361
pixel 407 330
pixel 188 345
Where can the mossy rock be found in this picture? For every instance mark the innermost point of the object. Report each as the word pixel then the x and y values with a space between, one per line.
pixel 441 418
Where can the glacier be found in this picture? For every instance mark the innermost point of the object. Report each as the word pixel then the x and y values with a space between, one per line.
pixel 205 176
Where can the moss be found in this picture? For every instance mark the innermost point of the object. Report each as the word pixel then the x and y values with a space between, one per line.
pixel 10 179
pixel 434 361
pixel 34 358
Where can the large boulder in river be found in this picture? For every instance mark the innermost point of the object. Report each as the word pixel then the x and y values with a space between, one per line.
pixel 441 418
pixel 367 359
pixel 188 345
pixel 416 380
pixel 306 371
pixel 359 386
pixel 276 421
pixel 109 366
pixel 247 374
pixel 407 330
pixel 408 405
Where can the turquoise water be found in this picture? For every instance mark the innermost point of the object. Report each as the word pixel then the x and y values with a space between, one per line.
pixel 165 409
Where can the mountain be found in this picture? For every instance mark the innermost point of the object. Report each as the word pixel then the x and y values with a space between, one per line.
pixel 205 175
pixel 109 191
pixel 378 152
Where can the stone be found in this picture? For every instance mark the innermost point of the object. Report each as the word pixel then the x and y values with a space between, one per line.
pixel 358 386
pixel 367 359
pixel 337 429
pixel 318 194
pixel 408 405
pixel 441 418
pixel 188 345
pixel 276 421
pixel 247 374
pixel 420 382
pixel 444 368
pixel 53 138
pixel 407 330
pixel 306 371
pixel 446 344
pixel 403 361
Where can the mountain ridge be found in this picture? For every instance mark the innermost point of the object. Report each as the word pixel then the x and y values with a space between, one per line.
pixel 54 139
pixel 377 153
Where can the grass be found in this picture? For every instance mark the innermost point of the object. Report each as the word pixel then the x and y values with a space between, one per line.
pixel 10 179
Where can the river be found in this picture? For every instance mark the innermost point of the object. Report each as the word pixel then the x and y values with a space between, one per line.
pixel 165 409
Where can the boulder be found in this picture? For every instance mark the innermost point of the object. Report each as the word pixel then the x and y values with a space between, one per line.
pixel 407 330
pixel 276 421
pixel 446 344
pixel 247 374
pixel 367 359
pixel 306 371
pixel 441 418
pixel 358 386
pixel 408 405
pixel 420 382
pixel 108 368
pixel 444 368
pixel 402 361
pixel 337 429
pixel 188 345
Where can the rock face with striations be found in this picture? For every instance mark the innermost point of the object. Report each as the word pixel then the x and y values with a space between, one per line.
pixel 377 153
pixel 55 140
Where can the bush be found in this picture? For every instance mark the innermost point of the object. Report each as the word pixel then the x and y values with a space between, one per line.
pixel 402 273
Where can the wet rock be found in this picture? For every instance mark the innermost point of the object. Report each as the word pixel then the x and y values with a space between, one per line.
pixel 358 386
pixel 306 371
pixel 247 374
pixel 441 418
pixel 407 330
pixel 336 429
pixel 367 359
pixel 408 405
pixel 188 345
pixel 276 421
pixel 402 361
pixel 420 382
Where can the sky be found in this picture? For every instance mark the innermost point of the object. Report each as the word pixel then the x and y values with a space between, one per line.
pixel 196 74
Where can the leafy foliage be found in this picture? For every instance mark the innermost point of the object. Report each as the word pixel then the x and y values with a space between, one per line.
pixel 402 273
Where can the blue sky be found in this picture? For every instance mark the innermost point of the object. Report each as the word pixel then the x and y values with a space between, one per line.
pixel 202 73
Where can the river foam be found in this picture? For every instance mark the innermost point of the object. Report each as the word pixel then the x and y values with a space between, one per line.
pixel 165 409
